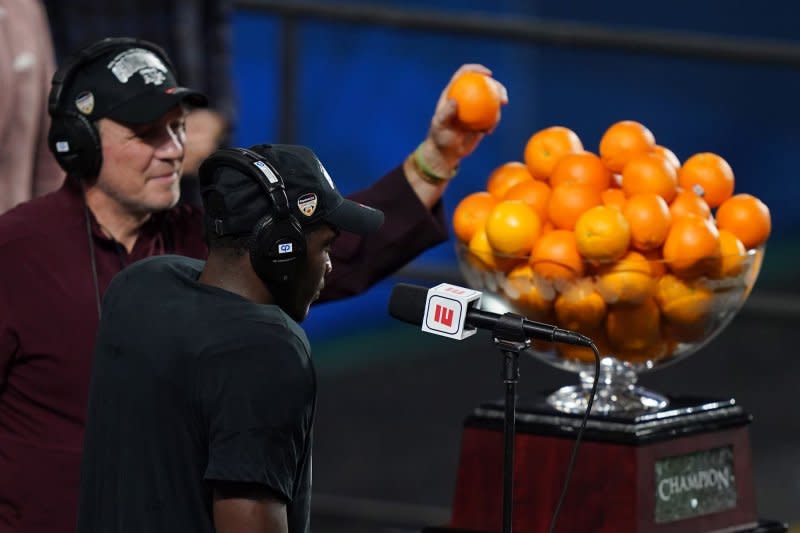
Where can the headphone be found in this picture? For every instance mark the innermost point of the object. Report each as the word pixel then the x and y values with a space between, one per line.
pixel 277 245
pixel 73 138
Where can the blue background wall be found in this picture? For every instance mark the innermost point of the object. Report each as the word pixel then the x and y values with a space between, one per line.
pixel 366 96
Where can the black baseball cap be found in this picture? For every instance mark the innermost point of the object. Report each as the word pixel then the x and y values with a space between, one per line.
pixel 132 83
pixel 240 201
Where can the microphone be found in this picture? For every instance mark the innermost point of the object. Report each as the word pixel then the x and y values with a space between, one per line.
pixel 429 308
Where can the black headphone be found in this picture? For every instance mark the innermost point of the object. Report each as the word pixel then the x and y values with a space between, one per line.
pixel 278 244
pixel 73 138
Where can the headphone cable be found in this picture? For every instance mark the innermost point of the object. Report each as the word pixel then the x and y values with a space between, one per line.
pixel 92 257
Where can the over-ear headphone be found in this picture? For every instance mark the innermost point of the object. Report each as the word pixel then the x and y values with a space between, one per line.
pixel 73 138
pixel 278 244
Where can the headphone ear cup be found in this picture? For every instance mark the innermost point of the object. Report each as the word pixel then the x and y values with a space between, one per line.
pixel 277 248
pixel 75 143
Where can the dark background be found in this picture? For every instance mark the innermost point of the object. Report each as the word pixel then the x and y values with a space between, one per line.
pixel 392 399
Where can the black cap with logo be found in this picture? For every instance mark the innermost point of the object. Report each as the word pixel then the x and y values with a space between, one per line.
pixel 312 195
pixel 129 84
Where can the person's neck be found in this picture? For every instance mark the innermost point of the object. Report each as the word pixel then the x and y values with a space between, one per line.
pixel 116 221
pixel 231 275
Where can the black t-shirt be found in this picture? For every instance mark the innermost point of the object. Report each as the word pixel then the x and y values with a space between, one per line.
pixel 192 384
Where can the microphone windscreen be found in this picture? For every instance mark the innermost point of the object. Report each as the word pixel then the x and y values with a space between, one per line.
pixel 407 303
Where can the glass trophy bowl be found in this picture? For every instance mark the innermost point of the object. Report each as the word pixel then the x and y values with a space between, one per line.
pixel 641 313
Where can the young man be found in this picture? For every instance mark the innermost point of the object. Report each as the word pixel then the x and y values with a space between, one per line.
pixel 118 130
pixel 204 422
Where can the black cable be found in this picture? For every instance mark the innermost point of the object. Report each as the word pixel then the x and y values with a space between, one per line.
pixel 91 256
pixel 577 439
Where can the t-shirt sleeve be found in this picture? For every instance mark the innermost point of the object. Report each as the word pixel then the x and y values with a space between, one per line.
pixel 256 398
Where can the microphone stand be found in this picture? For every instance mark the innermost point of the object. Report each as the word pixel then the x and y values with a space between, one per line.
pixel 509 336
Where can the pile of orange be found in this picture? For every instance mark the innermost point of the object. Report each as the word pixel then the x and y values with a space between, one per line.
pixel 621 244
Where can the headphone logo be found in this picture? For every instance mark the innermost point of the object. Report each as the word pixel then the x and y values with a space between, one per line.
pixel 285 248
pixel 85 102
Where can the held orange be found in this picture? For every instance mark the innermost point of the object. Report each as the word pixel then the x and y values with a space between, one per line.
pixel 623 141
pixel 477 100
pixel 512 228
pixel 471 214
pixel 602 234
pixel 649 217
pixel 709 176
pixel 547 146
pixel 581 168
pixel 506 176
pixel 747 217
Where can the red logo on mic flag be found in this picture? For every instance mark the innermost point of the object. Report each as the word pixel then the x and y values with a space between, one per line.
pixel 443 315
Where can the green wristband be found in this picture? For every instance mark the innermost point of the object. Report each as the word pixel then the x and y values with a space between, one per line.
pixel 426 171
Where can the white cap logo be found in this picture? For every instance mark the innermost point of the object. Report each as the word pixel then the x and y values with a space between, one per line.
pixel 138 60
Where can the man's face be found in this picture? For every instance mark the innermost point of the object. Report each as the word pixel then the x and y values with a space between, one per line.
pixel 310 275
pixel 142 164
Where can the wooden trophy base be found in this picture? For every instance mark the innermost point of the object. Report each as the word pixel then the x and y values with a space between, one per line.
pixel 686 468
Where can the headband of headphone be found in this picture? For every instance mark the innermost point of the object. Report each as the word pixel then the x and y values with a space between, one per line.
pixel 277 242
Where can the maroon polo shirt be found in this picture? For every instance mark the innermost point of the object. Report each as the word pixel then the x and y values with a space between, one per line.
pixel 48 321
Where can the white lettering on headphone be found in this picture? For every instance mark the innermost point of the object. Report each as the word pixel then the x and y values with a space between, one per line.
pixel 260 165
pixel 146 63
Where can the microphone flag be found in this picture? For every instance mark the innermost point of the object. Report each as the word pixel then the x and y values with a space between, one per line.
pixel 446 311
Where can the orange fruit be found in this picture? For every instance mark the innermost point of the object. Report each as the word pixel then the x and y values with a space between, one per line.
pixel 649 217
pixel 614 198
pixel 547 227
pixel 512 228
pixel 747 217
pixel 529 294
pixel 668 154
pixel 602 234
pixel 582 168
pixel 627 281
pixel 477 100
pixel 709 176
pixel 657 265
pixel 687 201
pixel 483 257
pixel 733 253
pixel 634 327
pixel 650 173
pixel 580 307
pixel 623 141
pixel 692 246
pixel 547 146
pixel 661 348
pixel 568 202
pixel 471 213
pixel 582 353
pixel 506 176
pixel 555 256
pixel 687 305
pixel 535 193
